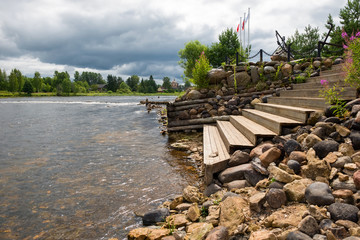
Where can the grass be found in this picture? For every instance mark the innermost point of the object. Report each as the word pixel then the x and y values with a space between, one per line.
pixel 6 94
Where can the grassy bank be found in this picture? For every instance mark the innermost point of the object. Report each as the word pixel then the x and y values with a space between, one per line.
pixel 6 94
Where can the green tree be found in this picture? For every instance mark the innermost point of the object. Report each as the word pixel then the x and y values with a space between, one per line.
pixel 304 44
pixel 187 84
pixel 124 88
pixel 151 85
pixel 4 84
pixel 334 38
pixel 133 82
pixel 189 55
pixel 350 17
pixel 77 76
pixel 16 81
pixel 113 82
pixel 66 86
pixel 37 81
pixel 166 83
pixel 200 71
pixel 28 87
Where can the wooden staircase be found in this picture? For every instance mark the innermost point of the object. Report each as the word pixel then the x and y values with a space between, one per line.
pixel 267 120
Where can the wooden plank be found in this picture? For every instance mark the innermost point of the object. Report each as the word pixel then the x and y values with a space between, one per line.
pixel 197 121
pixel 232 137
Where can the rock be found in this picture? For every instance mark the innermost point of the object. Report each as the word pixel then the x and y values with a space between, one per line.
pixel 214 214
pixel 234 173
pixel 297 235
pixel 309 226
pixel 271 155
pixel 320 132
pixel 325 147
pixel 343 193
pixel 238 158
pixel 229 194
pixel 218 233
pixel 343 131
pixel 255 101
pixel 295 191
pixel 298 156
pixel 310 141
pixel 158 234
pixel 327 63
pixel 291 145
pixel 183 207
pixel 256 164
pixel 177 220
pixel 319 193
pixel 232 213
pixel 277 185
pixel 242 79
pixel 192 194
pixel 139 233
pixel 356 177
pixel 180 146
pixel 341 161
pixel 285 217
pixel 269 70
pixel 211 189
pixel 184 115
pixel 319 237
pixel 257 200
pixel 215 76
pixel 193 213
pixel 346 149
pixel 253 177
pixel 347 224
pixel 193 95
pixel 286 70
pixel 276 198
pixel 198 230
pixel 155 216
pixel 349 184
pixel 294 165
pixel 169 238
pixel 237 184
pixel 255 77
pixel 279 174
pixel 177 201
pixel 262 235
pixel 343 211
pixel 260 149
pixel 353 237
pixel 355 139
pixel 315 167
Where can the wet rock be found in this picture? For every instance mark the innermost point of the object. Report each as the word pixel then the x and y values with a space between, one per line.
pixel 238 158
pixel 232 212
pixel 192 194
pixel 234 173
pixel 309 226
pixel 291 146
pixel 211 189
pixel 276 198
pixel 323 148
pixel 218 233
pixel 319 193
pixel 295 191
pixel 297 235
pixel 237 184
pixel 343 211
pixel 294 165
pixel 155 216
pixel 271 155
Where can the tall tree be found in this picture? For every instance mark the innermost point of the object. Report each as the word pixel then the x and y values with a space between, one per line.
pixel 350 17
pixel 189 55
pixel 16 81
pixel 3 80
pixel 166 83
pixel 113 82
pixel 304 44
pixel 133 82
pixel 28 87
pixel 37 81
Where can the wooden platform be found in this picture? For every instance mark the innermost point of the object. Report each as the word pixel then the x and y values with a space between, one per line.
pixel 233 138
pixel 216 155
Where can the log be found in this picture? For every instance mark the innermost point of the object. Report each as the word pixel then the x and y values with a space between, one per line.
pixel 184 128
pixel 197 121
pixel 154 102
pixel 185 107
pixel 189 102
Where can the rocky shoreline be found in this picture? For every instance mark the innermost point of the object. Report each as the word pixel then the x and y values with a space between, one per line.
pixel 304 185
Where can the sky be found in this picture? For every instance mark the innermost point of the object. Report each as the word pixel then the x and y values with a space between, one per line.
pixel 138 37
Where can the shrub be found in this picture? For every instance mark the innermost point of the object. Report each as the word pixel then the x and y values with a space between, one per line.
pixel 352 56
pixel 260 86
pixel 202 66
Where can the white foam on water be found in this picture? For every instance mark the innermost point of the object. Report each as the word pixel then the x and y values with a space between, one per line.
pixel 72 102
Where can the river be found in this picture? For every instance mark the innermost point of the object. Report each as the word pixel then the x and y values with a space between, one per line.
pixel 79 167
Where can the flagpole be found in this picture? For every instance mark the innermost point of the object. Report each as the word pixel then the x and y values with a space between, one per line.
pixel 248 20
pixel 240 34
pixel 243 28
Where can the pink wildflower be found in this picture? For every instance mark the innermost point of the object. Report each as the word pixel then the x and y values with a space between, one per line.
pixel 357 34
pixel 324 82
pixel 345 47
pixel 344 35
pixel 352 38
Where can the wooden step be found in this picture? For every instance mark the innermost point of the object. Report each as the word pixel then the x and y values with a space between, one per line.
pixel 268 120
pixel 349 93
pixel 250 129
pixel 216 156
pixel 313 103
pixel 334 77
pixel 295 113
pixel 232 138
pixel 312 85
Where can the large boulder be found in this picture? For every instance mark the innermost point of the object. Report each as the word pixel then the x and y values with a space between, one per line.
pixel 234 173
pixel 343 211
pixel 192 194
pixel 319 193
pixel 215 76
pixel 158 215
pixel 323 148
pixel 193 95
pixel 242 79
pixel 286 70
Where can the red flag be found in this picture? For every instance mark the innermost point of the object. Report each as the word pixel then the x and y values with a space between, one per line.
pixel 243 25
pixel 238 27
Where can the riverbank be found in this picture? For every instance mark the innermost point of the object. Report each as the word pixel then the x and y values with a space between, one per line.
pixel 304 185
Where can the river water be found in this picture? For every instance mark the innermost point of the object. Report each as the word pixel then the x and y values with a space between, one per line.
pixel 79 167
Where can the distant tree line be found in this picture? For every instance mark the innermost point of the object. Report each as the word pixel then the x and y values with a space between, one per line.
pixel 85 82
